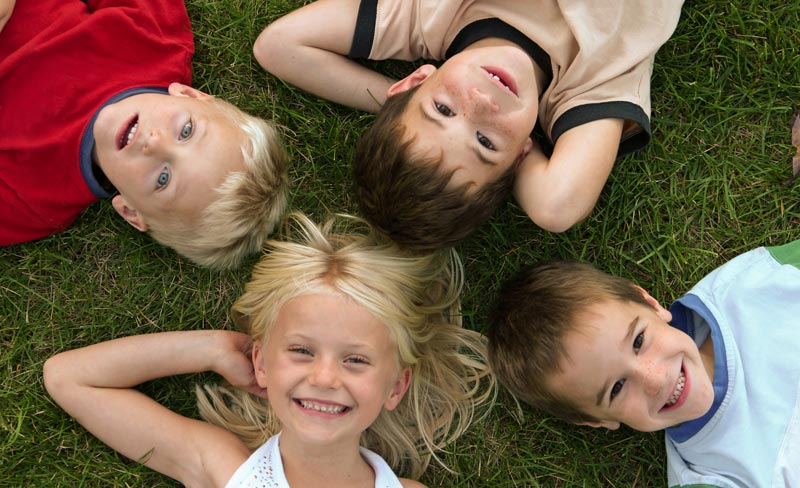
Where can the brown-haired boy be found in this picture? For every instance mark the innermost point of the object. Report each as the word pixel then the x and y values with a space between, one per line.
pixel 440 160
pixel 96 104
pixel 719 370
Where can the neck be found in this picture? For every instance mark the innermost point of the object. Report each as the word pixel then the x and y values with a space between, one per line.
pixel 707 356
pixel 339 465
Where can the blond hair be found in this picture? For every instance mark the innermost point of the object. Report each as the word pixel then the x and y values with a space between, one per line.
pixel 414 296
pixel 248 206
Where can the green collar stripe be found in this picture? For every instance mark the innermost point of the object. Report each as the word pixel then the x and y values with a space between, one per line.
pixel 787 253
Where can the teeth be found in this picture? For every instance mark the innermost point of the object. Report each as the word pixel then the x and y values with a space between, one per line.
pixel 677 393
pixel 131 133
pixel 321 408
pixel 495 77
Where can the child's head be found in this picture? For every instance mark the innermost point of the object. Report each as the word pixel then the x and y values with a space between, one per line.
pixel 352 332
pixel 199 174
pixel 595 349
pixel 441 156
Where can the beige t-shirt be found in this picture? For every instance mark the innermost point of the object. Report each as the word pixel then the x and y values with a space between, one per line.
pixel 599 53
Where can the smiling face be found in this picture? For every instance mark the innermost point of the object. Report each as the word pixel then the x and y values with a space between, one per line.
pixel 329 367
pixel 476 111
pixel 166 154
pixel 626 364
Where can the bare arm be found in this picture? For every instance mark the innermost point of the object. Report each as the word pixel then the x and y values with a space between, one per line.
pixel 95 386
pixel 6 8
pixel 308 48
pixel 560 192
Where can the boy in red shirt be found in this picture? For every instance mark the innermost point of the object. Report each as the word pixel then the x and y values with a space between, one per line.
pixel 95 103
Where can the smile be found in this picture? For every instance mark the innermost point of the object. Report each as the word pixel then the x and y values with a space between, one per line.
pixel 127 134
pixel 502 78
pixel 678 392
pixel 329 408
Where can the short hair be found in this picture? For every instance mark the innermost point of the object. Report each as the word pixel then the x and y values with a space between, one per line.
pixel 414 296
pixel 248 206
pixel 532 315
pixel 407 196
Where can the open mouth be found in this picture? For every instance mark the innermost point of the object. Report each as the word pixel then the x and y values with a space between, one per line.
pixel 502 78
pixel 328 408
pixel 678 393
pixel 128 132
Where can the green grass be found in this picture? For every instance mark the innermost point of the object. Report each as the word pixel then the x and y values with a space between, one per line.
pixel 708 188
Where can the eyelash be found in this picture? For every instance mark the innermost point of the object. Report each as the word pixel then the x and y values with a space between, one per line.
pixel 300 350
pixel 190 125
pixel 637 346
pixel 357 360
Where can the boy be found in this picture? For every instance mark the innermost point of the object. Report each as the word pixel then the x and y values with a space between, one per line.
pixel 719 370
pixel 95 103
pixel 449 142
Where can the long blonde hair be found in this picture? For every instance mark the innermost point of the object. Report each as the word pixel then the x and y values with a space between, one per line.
pixel 415 296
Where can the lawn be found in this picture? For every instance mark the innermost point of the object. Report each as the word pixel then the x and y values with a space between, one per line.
pixel 710 186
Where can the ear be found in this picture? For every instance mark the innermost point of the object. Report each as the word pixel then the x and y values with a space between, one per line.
pixel 608 424
pixel 258 365
pixel 526 148
pixel 130 214
pixel 398 390
pixel 662 312
pixel 414 79
pixel 179 90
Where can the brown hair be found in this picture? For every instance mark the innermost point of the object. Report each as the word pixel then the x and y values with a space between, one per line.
pixel 533 313
pixel 407 197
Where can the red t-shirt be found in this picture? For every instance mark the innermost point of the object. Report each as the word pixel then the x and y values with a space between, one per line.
pixel 60 60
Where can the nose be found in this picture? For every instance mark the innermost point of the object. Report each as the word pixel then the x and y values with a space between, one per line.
pixel 325 374
pixel 154 142
pixel 481 102
pixel 653 377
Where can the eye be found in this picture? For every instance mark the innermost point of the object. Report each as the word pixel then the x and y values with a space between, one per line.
pixel 357 360
pixel 484 141
pixel 616 389
pixel 300 350
pixel 637 342
pixel 443 109
pixel 186 131
pixel 163 179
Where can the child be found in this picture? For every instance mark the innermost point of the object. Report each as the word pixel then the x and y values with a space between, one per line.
pixel 95 104
pixel 719 371
pixel 349 343
pixel 449 142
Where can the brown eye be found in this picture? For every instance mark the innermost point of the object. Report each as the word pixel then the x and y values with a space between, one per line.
pixel 443 109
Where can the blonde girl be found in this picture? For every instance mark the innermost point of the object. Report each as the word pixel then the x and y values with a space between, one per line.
pixel 350 341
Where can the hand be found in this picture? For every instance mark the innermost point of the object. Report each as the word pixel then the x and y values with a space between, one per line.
pixel 235 364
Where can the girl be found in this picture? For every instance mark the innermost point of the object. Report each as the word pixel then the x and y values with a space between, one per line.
pixel 347 338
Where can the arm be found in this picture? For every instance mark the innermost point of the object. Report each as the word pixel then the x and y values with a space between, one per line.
pixel 6 8
pixel 308 49
pixel 95 386
pixel 560 192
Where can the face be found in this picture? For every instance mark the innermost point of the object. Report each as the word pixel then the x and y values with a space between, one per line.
pixel 166 154
pixel 477 110
pixel 626 364
pixel 329 367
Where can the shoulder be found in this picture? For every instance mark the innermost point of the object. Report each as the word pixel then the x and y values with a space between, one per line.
pixel 407 483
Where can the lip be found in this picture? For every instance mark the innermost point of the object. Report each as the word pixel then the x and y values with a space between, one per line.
pixel 298 402
pixel 123 132
pixel 684 393
pixel 505 78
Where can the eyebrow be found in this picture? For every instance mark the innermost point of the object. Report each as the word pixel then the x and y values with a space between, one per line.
pixel 201 143
pixel 628 335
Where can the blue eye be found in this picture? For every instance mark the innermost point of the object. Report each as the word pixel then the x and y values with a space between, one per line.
pixel 357 360
pixel 187 130
pixel 163 179
pixel 443 109
pixel 300 350
pixel 616 389
pixel 638 341
pixel 485 142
